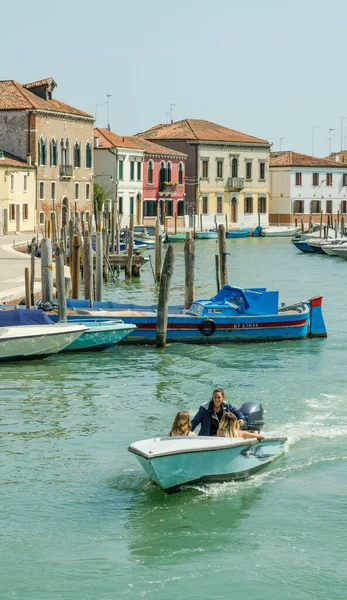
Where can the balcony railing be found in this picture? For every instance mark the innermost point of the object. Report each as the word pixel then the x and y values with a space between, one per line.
pixel 168 187
pixel 65 171
pixel 235 183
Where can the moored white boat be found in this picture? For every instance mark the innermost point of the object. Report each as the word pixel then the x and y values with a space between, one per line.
pixel 28 341
pixel 274 231
pixel 174 461
pixel 341 251
pixel 206 235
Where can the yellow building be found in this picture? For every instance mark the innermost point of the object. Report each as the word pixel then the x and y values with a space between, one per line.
pixel 17 195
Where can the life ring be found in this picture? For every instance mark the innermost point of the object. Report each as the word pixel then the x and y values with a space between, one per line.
pixel 207 327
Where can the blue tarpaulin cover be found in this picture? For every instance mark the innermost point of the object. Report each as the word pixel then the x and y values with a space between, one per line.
pixel 23 316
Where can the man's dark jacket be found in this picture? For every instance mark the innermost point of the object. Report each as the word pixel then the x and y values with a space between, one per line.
pixel 206 413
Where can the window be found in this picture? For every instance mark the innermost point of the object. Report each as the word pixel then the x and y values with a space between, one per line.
pixel 150 208
pixel 205 168
pixel 53 190
pixel 234 168
pixel 87 191
pixel 53 153
pixel 12 182
pixel 87 216
pixel 248 169
pixel 42 190
pixel 150 171
pixel 89 160
pixel 180 208
pixel 138 171
pixel 162 174
pixel 169 208
pixel 219 169
pixel 169 168
pixel 329 207
pixel 205 205
pixel 12 214
pixel 262 171
pixel 298 207
pixel 131 210
pixel 120 205
pixel 262 205
pixel 298 178
pixel 42 218
pixel 343 206
pixel 120 169
pixel 329 180
pixel 25 212
pixel 344 179
pixel 315 206
pixel 42 152
pixel 25 183
pixel 132 170
pixel 315 179
pixel 77 155
pixel 77 191
pixel 220 205
pixel 180 173
pixel 248 205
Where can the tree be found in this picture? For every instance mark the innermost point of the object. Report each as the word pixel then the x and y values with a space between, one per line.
pixel 99 197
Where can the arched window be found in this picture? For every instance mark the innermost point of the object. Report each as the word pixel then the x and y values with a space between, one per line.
pixel 67 152
pixel 53 153
pixel 62 152
pixel 77 191
pixel 180 173
pixel 234 168
pixel 162 174
pixel 150 171
pixel 88 155
pixel 42 152
pixel 53 190
pixel 77 155
pixel 169 168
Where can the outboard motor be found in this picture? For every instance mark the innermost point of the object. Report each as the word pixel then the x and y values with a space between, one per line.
pixel 254 415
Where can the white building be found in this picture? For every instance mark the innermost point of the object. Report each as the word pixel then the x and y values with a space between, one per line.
pixel 303 185
pixel 118 168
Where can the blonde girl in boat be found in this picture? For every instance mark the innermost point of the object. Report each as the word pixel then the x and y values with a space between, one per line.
pixel 181 425
pixel 229 427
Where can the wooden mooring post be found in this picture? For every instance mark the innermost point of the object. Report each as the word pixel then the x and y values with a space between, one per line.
pixel 128 267
pixel 98 267
pixel 158 248
pixel 76 264
pixel 46 270
pixel 163 301
pixel 60 282
pixel 189 263
pixel 88 268
pixel 33 248
pixel 217 272
pixel 27 287
pixel 222 255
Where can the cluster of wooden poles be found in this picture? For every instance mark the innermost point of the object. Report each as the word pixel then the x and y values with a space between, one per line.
pixel 337 224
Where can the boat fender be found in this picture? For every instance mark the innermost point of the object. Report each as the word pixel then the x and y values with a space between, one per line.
pixel 207 327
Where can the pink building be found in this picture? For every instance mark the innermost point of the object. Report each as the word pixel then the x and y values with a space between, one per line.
pixel 163 184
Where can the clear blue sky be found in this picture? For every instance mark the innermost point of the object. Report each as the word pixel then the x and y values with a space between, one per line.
pixel 270 68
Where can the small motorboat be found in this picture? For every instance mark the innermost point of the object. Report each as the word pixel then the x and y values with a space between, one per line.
pixel 306 242
pixel 341 251
pixel 332 245
pixel 206 235
pixel 274 231
pixel 175 237
pixel 145 234
pixel 36 341
pixel 238 233
pixel 171 462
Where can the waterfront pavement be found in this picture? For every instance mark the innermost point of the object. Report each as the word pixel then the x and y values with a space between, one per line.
pixel 12 267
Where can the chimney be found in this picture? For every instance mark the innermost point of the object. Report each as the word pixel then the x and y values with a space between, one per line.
pixel 29 159
pixel 96 141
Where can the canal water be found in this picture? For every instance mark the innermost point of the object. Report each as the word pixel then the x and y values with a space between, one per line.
pixel 79 519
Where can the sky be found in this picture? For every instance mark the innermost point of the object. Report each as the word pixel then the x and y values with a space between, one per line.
pixel 271 68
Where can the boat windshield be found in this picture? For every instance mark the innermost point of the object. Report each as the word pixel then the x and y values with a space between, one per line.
pixel 196 309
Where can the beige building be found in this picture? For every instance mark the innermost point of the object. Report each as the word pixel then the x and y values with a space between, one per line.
pixel 227 172
pixel 17 195
pixel 57 139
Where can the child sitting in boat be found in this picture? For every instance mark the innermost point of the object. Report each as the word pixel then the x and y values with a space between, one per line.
pixel 181 425
pixel 229 427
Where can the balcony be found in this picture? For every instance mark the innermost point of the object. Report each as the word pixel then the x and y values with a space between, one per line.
pixel 167 187
pixel 235 184
pixel 66 171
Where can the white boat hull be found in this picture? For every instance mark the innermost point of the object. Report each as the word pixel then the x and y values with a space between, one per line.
pixel 174 461
pixel 33 341
pixel 279 231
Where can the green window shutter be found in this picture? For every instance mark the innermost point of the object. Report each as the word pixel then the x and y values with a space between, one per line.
pixel 132 170
pixel 120 205
pixel 131 205
pixel 120 169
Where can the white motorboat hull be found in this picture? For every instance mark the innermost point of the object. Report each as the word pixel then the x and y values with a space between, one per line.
pixel 33 341
pixel 174 461
pixel 279 231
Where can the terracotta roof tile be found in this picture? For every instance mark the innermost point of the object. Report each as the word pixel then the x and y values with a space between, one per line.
pixel 109 139
pixel 199 129
pixel 15 96
pixel 294 159
pixel 340 157
pixel 9 160
pixel 33 84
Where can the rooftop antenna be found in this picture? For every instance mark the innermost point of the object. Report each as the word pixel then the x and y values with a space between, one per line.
pixel 107 107
pixel 172 104
pixel 329 138
pixel 96 111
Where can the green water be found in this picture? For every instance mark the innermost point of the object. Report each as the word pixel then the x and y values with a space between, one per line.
pixel 78 518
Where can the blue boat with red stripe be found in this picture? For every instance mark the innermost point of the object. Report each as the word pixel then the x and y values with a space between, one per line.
pixel 233 315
